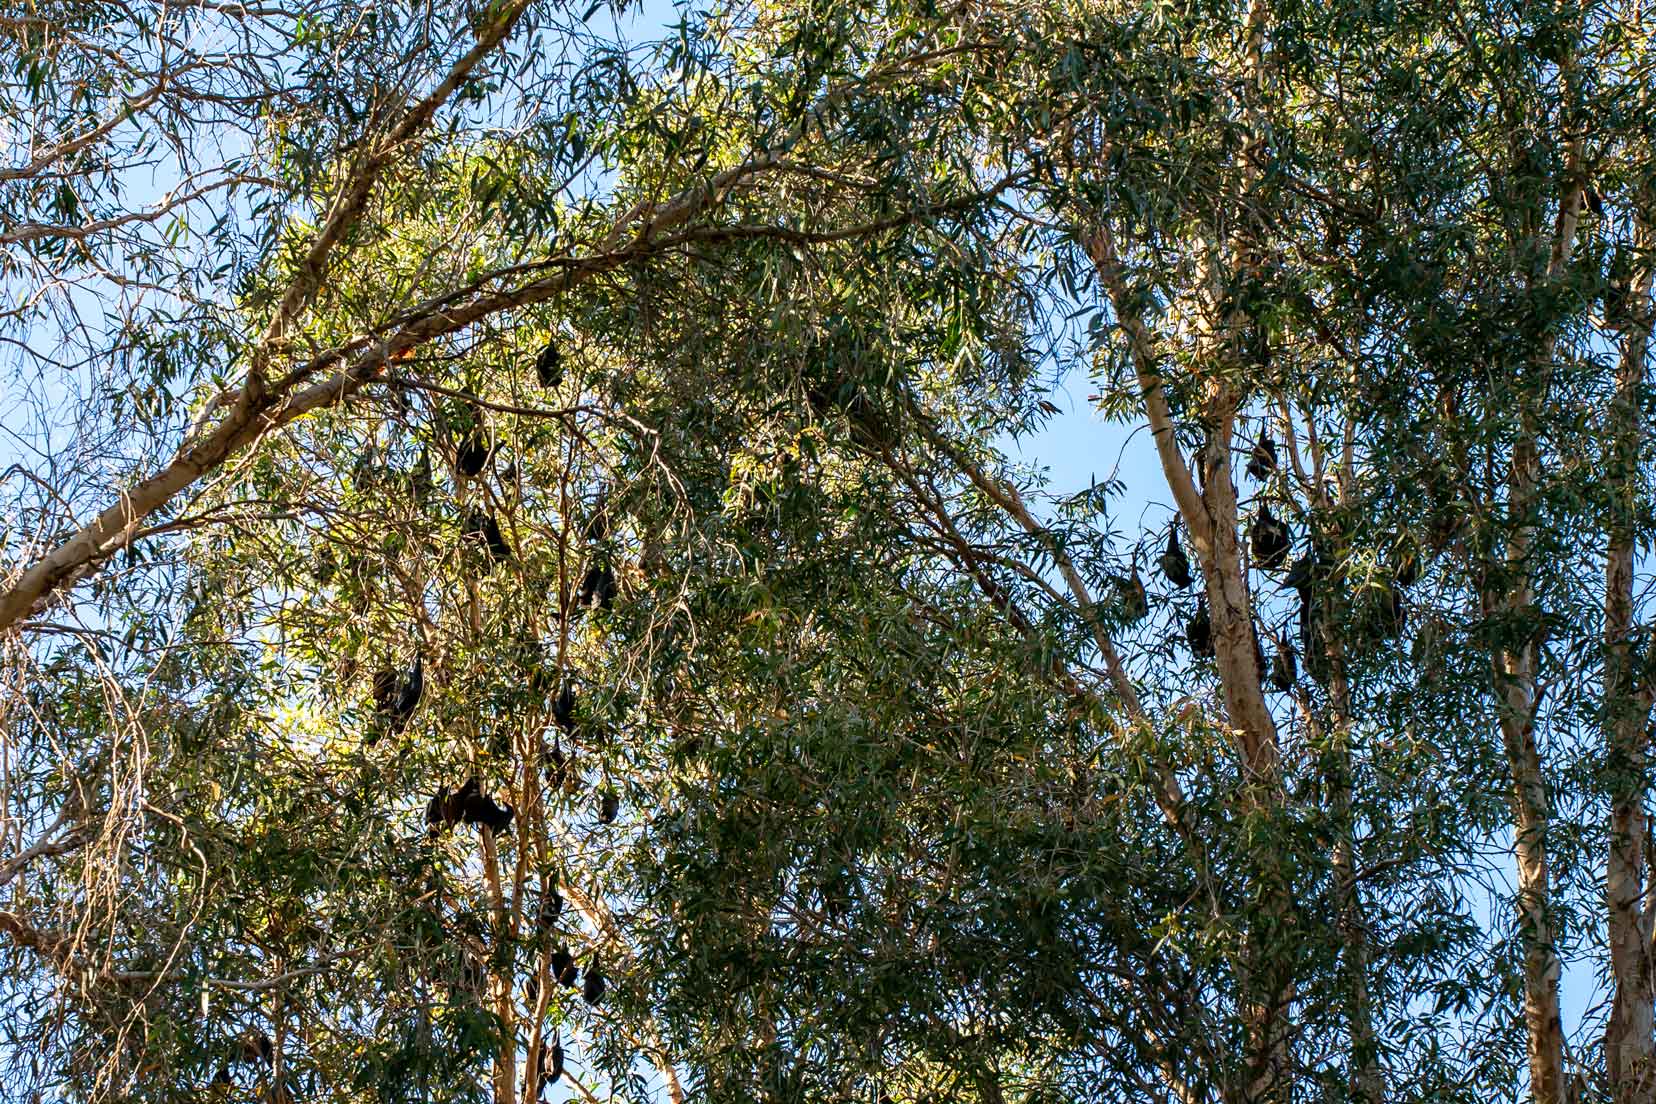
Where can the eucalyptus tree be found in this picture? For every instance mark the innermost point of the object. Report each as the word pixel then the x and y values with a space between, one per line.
pixel 1415 248
pixel 1286 232
pixel 346 449
pixel 652 408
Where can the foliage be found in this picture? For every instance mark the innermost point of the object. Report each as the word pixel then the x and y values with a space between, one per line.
pixel 925 789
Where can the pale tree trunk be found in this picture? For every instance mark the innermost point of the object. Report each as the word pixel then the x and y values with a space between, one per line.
pixel 499 985
pixel 1210 516
pixel 1512 672
pixel 1628 1042
pixel 1367 1078
pixel 1517 698
pixel 1368 1084
pixel 1513 680
pixel 1529 808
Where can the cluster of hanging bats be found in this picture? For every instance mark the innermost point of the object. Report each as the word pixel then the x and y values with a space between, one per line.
pixel 1270 544
pixel 472 454
pixel 475 449
pixel 397 696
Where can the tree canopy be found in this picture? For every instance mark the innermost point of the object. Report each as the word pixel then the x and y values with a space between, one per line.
pixel 519 578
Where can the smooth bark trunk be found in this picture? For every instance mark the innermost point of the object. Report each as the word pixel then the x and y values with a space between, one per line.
pixel 1628 1034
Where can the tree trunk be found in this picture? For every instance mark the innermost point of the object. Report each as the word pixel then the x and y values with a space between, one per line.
pixel 1512 676
pixel 1513 670
pixel 1368 1083
pixel 1541 968
pixel 1628 1035
pixel 1210 516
